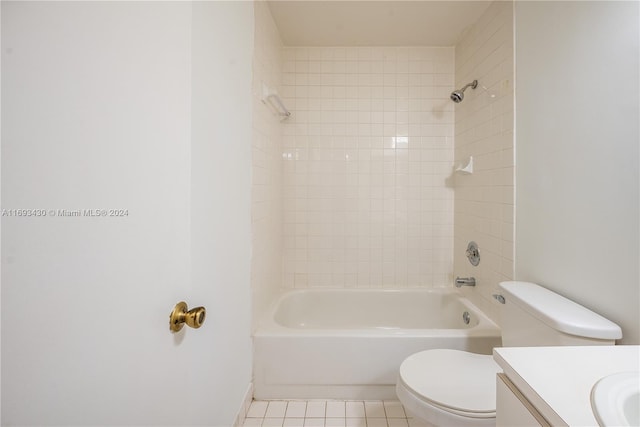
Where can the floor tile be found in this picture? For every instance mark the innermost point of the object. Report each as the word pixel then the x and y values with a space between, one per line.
pixel 334 422
pixel 296 409
pixel 374 409
pixel 393 409
pixel 416 423
pixel 331 413
pixel 272 422
pixel 397 422
pixel 355 409
pixel 377 422
pixel 252 422
pixel 356 422
pixel 276 409
pixel 316 409
pixel 335 410
pixel 257 409
pixel 314 422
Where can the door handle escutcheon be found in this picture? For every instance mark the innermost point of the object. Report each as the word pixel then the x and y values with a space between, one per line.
pixel 179 316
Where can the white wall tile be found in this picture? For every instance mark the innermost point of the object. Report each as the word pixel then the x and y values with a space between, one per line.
pixel 363 171
pixel 484 130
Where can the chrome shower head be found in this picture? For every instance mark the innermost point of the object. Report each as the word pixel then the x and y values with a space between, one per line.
pixel 458 95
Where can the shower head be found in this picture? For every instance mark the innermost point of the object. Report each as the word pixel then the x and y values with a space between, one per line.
pixel 458 95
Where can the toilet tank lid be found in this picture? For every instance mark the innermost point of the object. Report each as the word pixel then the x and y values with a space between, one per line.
pixel 559 312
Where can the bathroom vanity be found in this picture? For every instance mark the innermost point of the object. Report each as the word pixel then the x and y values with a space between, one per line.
pixel 544 386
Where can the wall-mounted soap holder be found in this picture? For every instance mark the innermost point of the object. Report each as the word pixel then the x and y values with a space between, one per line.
pixel 465 167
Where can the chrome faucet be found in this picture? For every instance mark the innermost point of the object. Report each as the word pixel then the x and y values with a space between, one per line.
pixel 465 281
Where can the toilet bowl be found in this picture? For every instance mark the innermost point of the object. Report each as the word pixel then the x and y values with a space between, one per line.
pixel 447 387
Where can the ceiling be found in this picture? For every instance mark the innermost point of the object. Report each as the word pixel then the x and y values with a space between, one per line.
pixel 374 23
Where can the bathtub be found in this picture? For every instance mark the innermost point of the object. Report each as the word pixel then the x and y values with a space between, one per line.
pixel 348 343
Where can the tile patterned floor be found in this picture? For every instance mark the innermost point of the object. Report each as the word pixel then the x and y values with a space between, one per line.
pixel 332 413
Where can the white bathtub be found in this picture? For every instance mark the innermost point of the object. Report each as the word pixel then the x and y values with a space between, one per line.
pixel 348 344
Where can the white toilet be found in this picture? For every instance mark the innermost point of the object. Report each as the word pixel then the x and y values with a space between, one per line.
pixel 456 388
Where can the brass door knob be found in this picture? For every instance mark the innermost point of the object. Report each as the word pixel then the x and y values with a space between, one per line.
pixel 179 316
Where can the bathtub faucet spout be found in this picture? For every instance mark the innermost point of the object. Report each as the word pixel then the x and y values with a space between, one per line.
pixel 465 281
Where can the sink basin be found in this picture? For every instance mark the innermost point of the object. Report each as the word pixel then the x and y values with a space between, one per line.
pixel 615 399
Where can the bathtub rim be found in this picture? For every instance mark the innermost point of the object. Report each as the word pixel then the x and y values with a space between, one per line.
pixel 268 326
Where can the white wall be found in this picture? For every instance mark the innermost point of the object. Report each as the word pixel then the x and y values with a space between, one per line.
pixel 221 118
pixel 577 182
pixel 484 204
pixel 266 206
pixel 0 206
pixel 368 153
pixel 134 106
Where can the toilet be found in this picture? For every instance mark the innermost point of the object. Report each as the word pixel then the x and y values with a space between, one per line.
pixel 446 387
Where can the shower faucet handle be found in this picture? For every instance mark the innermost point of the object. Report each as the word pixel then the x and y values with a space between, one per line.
pixel 473 253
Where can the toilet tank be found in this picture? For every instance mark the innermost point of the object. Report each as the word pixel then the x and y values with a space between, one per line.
pixel 535 316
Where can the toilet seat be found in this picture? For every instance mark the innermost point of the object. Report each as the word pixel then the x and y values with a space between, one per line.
pixel 454 381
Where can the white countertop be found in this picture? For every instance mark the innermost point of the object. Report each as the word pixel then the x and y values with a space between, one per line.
pixel 558 380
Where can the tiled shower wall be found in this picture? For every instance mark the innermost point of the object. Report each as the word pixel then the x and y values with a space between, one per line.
pixel 266 207
pixel 368 155
pixel 484 201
